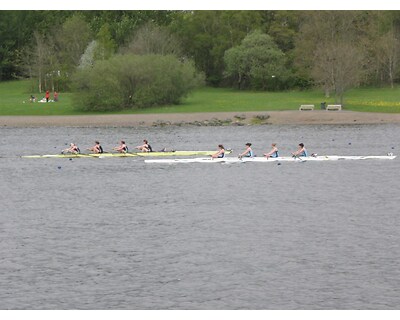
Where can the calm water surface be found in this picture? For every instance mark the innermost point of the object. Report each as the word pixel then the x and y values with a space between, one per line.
pixel 122 234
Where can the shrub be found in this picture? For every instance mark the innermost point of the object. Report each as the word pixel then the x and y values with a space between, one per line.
pixel 134 81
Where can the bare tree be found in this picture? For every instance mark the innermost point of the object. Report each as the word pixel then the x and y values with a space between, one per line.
pixel 40 59
pixel 337 67
pixel 152 39
pixel 329 45
pixel 388 54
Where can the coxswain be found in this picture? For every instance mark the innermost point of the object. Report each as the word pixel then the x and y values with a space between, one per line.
pixel 122 148
pixel 97 148
pixel 73 148
pixel 273 153
pixel 300 152
pixel 145 147
pixel 220 153
pixel 248 152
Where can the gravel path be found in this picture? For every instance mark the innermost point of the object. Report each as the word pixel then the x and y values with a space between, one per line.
pixel 235 118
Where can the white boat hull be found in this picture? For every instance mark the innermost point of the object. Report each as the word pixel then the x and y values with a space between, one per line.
pixel 260 159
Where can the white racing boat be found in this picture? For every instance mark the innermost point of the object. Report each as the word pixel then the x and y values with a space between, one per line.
pixel 269 160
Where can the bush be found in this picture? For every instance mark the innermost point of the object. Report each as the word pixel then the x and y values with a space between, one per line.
pixel 134 81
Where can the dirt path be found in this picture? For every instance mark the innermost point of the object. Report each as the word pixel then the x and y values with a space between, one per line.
pixel 238 118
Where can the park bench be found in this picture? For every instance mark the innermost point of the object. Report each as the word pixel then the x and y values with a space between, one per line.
pixel 336 107
pixel 306 107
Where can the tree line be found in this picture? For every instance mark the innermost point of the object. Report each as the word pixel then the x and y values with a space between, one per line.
pixel 257 50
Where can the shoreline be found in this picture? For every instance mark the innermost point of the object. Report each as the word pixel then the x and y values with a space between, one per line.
pixel 315 117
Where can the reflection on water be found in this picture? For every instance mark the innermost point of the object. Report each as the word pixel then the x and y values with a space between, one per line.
pixel 122 234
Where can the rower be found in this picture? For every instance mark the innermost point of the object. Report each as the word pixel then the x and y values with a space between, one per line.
pixel 73 148
pixel 273 153
pixel 300 152
pixel 122 148
pixel 145 147
pixel 248 152
pixel 220 153
pixel 97 148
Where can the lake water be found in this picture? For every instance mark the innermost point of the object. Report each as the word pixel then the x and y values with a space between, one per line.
pixel 121 234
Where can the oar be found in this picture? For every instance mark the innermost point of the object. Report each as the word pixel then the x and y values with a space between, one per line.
pixel 298 157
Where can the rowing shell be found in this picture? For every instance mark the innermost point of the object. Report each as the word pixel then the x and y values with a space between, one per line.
pixel 130 154
pixel 279 159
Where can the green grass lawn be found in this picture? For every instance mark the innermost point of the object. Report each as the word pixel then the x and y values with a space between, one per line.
pixel 14 100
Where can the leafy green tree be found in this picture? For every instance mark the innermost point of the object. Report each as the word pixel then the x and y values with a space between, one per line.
pixel 72 41
pixel 105 44
pixel 283 28
pixel 17 37
pixel 123 23
pixel 256 62
pixel 67 43
pixel 206 35
pixel 7 47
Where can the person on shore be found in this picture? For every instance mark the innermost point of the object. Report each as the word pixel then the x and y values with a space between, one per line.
pixel 248 152
pixel 145 147
pixel 220 153
pixel 300 152
pixel 97 148
pixel 273 153
pixel 47 96
pixel 55 98
pixel 122 148
pixel 73 148
pixel 32 98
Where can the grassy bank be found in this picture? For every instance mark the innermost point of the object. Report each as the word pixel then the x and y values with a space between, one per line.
pixel 15 101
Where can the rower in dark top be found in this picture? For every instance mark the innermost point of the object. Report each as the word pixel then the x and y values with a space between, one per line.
pixel 97 148
pixel 220 153
pixel 122 148
pixel 145 147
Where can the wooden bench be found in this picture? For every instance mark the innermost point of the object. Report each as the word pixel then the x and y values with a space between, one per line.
pixel 306 107
pixel 334 107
